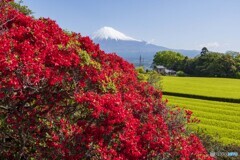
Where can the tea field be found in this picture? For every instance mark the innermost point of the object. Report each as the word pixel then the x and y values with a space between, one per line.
pixel 211 87
pixel 220 119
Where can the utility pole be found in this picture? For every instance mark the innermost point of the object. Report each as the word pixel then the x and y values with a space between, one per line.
pixel 140 61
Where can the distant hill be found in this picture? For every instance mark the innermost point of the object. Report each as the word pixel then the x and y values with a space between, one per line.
pixel 111 40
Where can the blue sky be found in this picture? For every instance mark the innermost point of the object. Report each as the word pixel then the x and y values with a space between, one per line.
pixel 180 24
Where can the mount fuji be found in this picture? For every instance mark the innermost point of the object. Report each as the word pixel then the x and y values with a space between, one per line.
pixel 129 48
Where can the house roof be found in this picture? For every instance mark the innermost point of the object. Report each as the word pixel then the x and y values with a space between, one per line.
pixel 160 67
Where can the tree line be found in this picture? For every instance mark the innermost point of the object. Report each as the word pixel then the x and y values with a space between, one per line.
pixel 206 64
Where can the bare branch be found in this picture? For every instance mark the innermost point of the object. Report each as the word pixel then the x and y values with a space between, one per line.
pixel 4 20
pixel 4 107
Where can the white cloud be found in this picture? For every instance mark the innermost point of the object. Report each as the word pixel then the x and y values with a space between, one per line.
pixel 151 41
pixel 210 45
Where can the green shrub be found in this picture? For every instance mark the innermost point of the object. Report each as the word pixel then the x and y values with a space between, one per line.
pixel 238 75
pixel 140 70
pixel 155 79
pixel 180 74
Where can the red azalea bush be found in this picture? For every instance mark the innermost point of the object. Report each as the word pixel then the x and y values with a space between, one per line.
pixel 61 97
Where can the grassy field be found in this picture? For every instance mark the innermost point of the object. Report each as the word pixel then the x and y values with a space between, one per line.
pixel 218 118
pixel 212 87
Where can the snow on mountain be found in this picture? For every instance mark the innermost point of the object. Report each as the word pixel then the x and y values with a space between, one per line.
pixel 110 33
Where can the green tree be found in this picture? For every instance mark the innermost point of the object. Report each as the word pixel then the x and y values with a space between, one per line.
pixel 22 8
pixel 188 65
pixel 237 61
pixel 212 64
pixel 233 53
pixel 207 64
pixel 169 59
pixel 204 50
pixel 229 68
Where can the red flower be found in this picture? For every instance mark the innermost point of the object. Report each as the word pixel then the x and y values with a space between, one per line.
pixel 67 99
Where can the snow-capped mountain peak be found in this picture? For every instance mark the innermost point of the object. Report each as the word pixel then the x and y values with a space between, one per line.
pixel 110 33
